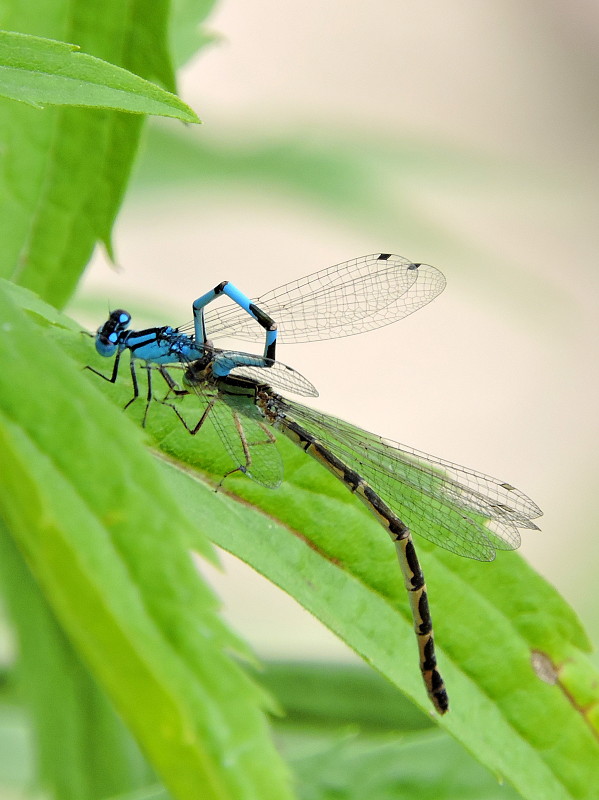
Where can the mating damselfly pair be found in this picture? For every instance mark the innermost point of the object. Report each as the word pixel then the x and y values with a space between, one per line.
pixel 408 491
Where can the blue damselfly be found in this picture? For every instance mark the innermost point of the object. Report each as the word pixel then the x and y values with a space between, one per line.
pixel 459 509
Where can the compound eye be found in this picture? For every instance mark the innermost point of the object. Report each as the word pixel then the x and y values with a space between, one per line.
pixel 120 317
pixel 106 345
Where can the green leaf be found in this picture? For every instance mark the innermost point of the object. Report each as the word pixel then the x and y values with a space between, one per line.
pixel 187 32
pixel 494 623
pixel 16 750
pixel 324 695
pixel 106 543
pixel 65 170
pixel 46 72
pixel 366 183
pixel 83 749
pixel 427 766
pixel 316 542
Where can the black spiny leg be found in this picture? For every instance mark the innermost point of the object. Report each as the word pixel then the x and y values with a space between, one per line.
pixel 115 373
pixel 115 370
pixel 182 419
pixel 134 382
pixel 173 387
pixel 149 395
pixel 172 384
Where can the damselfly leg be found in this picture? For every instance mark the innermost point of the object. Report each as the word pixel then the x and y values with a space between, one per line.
pixel 459 509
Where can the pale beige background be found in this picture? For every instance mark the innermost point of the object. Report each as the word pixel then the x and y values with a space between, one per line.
pixel 500 372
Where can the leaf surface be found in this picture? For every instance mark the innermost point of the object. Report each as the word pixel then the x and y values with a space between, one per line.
pixel 495 623
pixel 105 541
pixel 65 170
pixel 46 72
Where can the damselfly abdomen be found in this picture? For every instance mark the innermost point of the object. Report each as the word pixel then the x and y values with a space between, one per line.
pixel 408 491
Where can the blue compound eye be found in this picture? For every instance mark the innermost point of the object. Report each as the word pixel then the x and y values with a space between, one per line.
pixel 106 345
pixel 119 318
pixel 467 512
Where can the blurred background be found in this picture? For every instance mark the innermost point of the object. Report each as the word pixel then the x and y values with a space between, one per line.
pixel 462 135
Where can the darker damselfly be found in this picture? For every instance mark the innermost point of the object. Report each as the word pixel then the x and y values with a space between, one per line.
pixel 459 509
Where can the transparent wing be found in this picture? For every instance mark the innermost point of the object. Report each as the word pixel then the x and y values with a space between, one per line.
pixel 245 437
pixel 273 373
pixel 457 508
pixel 353 297
pixel 249 443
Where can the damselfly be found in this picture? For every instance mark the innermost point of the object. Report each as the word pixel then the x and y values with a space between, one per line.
pixel 349 298
pixel 464 511
pixel 459 509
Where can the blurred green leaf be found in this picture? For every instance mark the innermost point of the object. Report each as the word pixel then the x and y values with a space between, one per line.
pixel 489 618
pixel 324 695
pixel 82 747
pixel 46 72
pixel 105 541
pixel 65 170
pixel 359 761
pixel 370 182
pixel 187 34
pixel 425 766
pixel 335 176
pixel 314 539
pixel 16 750
pixel 367 178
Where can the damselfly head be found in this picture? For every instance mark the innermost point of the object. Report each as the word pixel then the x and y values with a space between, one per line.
pixel 108 335
pixel 200 371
